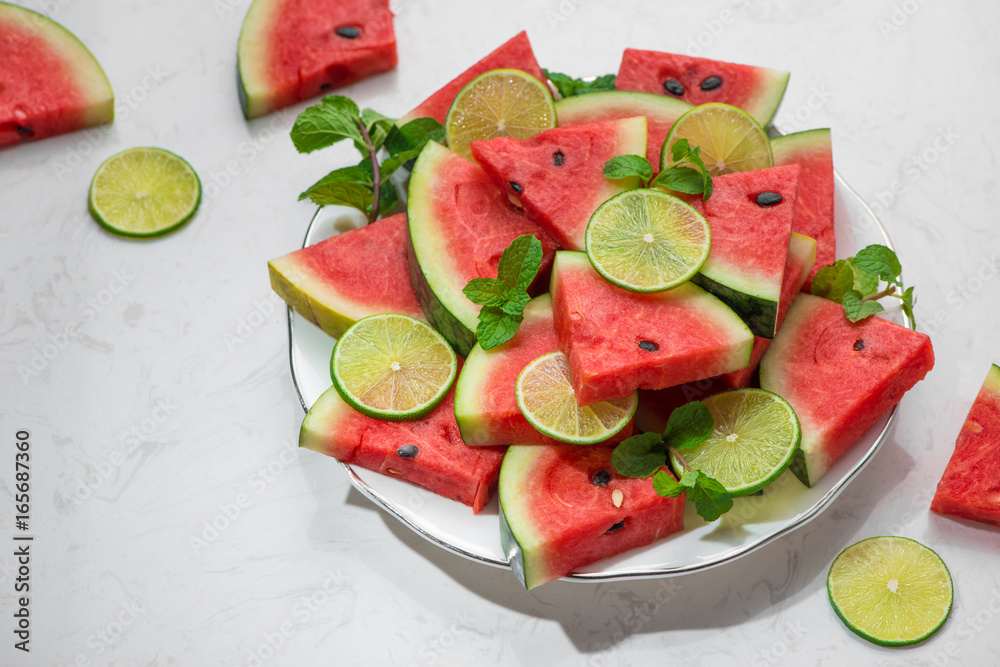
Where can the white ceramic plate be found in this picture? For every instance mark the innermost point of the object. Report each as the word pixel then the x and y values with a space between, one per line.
pixel 753 522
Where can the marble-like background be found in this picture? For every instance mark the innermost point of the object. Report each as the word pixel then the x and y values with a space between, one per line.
pixel 159 396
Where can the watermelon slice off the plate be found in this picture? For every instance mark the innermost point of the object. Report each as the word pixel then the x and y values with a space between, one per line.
pixel 756 90
pixel 49 82
pixel 291 50
pixel 970 485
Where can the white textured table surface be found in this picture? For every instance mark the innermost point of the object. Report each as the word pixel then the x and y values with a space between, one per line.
pixel 154 380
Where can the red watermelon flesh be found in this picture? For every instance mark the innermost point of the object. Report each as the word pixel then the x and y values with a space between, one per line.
pixel 442 463
pixel 970 486
pixel 756 90
pixel 515 53
pixel 813 152
pixel 49 82
pixel 361 272
pixel 601 327
pixel 291 50
pixel 557 175
pixel 555 519
pixel 839 376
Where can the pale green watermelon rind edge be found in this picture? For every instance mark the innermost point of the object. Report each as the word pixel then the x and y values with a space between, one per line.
pixel 251 58
pixel 320 422
pixel 583 108
pixel 520 541
pixel 326 308
pixel 95 84
pixel 786 147
pixel 993 379
pixel 770 91
pixel 757 308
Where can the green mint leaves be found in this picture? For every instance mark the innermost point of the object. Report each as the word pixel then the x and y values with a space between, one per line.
pixel 568 86
pixel 855 282
pixel 503 298
pixel 366 185
pixel 643 455
pixel 687 172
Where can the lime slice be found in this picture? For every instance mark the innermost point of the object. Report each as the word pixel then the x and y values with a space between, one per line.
pixel 646 240
pixel 545 397
pixel 890 590
pixel 392 367
pixel 498 103
pixel 730 139
pixel 755 438
pixel 144 192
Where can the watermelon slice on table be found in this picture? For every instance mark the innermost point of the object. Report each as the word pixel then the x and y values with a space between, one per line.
pixel 49 82
pixel 660 112
pixel 756 90
pixel 361 272
pixel 839 376
pixel 515 53
pixel 427 452
pixel 485 401
pixel 970 485
pixel 750 214
pixel 557 175
pixel 619 341
pixel 292 50
pixel 460 222
pixel 813 152
pixel 563 507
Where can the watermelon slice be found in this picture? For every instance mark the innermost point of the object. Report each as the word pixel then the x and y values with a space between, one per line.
pixel 460 223
pixel 756 90
pixel 619 341
pixel 970 486
pixel 750 214
pixel 427 452
pixel 660 112
pixel 361 272
pixel 49 82
pixel 812 151
pixel 557 175
pixel 515 53
pixel 563 507
pixel 291 50
pixel 839 376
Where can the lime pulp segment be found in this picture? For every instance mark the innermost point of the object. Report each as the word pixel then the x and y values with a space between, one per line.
pixel 730 139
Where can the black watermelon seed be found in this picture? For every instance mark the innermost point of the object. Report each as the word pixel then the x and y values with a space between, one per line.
pixel 600 478
pixel 648 346
pixel 25 131
pixel 407 451
pixel 348 31
pixel 673 86
pixel 617 526
pixel 768 199
pixel 711 83
pixel 558 158
pixel 515 187
pixel 859 345
pixel 324 86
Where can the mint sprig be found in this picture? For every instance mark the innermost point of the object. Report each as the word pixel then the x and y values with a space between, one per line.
pixel 645 454
pixel 856 283
pixel 503 298
pixel 686 173
pixel 568 86
pixel 365 186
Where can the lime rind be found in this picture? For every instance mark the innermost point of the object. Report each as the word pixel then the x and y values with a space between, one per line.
pixel 730 139
pixel 545 397
pixel 647 241
pixel 755 438
pixel 392 367
pixel 144 192
pixel 891 591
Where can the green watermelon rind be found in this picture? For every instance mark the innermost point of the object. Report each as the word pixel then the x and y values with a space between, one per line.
pixel 785 146
pixel 321 421
pixel 765 103
pixel 251 52
pixel 519 541
pixel 758 309
pixel 570 110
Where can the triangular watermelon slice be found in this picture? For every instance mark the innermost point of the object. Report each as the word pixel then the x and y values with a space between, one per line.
pixel 970 485
pixel 361 272
pixel 750 214
pixel 812 150
pixel 49 82
pixel 515 53
pixel 839 376
pixel 756 90
pixel 291 50
pixel 557 175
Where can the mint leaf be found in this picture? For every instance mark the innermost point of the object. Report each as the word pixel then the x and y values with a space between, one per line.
pixel 378 126
pixel 858 309
pixel 711 500
pixel 515 303
pixel 624 166
pixel 413 135
pixel 495 327
pixel 568 86
pixel 881 261
pixel 388 199
pixel 520 262
pixel 639 456
pixel 688 426
pixel 503 298
pixel 665 485
pixel 681 179
pixel 486 291
pixel 677 177
pixel 854 282
pixel 355 174
pixel 833 281
pixel 864 282
pixel 343 193
pixel 334 119
pixel 907 299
